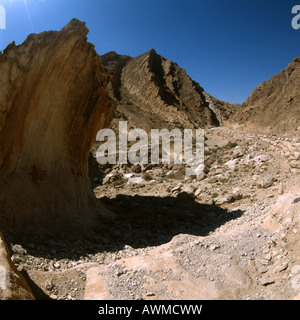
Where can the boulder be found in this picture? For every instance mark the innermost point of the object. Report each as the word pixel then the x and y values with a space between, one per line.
pixel 53 101
pixel 286 202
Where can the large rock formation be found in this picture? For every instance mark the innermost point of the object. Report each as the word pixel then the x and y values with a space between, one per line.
pixel 53 100
pixel 154 92
pixel 274 106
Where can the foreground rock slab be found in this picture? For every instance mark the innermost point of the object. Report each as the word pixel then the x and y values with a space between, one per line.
pixel 160 275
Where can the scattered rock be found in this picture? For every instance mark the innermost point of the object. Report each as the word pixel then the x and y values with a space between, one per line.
pixel 266 182
pixel 136 180
pixel 266 280
pixel 231 164
pixel 201 176
pixel 261 158
pixel 297 155
pixel 295 164
pixel 136 168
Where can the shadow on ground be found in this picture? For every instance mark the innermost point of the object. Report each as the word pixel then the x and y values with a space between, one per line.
pixel 142 221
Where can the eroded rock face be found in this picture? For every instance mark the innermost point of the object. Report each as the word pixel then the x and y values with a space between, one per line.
pixel 274 106
pixel 53 100
pixel 154 92
pixel 13 285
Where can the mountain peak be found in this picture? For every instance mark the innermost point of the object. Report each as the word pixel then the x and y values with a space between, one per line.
pixel 154 92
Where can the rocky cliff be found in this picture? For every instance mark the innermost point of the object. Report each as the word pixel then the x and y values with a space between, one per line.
pixel 274 106
pixel 154 92
pixel 53 100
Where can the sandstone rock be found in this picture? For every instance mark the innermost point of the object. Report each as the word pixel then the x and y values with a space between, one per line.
pixel 198 192
pixel 266 183
pixel 295 164
pixel 53 100
pixel 247 159
pixel 261 158
pixel 13 286
pixel 176 174
pixel 266 280
pixel 283 204
pixel 226 199
pixel 237 194
pixel 231 164
pixel 297 155
pixel 229 198
pixel 201 176
pixel 137 180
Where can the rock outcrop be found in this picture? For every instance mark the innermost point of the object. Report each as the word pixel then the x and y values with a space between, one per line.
pixel 53 100
pixel 13 285
pixel 154 92
pixel 274 106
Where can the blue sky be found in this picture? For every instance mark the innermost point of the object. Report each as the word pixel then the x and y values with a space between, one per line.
pixel 229 47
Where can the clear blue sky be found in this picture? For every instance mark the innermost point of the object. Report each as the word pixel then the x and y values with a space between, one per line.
pixel 229 47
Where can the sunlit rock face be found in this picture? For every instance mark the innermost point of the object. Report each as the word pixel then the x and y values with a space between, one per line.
pixel 274 106
pixel 53 100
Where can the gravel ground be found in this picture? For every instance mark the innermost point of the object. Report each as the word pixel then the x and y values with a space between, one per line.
pixel 221 214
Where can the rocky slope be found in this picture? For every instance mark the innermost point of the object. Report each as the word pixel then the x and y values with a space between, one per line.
pixel 153 92
pixel 53 100
pixel 274 106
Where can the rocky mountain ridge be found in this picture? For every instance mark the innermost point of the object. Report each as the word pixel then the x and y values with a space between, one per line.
pixel 153 92
pixel 274 106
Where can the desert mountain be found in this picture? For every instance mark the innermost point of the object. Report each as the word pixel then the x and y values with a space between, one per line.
pixel 53 100
pixel 153 92
pixel 274 106
pixel 230 233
